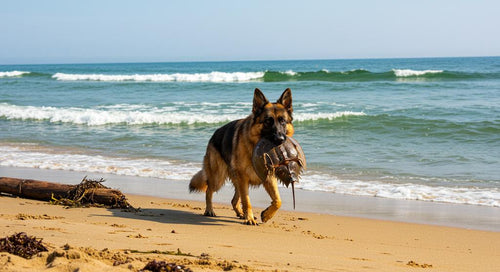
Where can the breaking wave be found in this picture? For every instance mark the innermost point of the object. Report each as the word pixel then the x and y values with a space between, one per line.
pixel 13 73
pixel 409 73
pixel 356 75
pixel 140 115
pixel 176 77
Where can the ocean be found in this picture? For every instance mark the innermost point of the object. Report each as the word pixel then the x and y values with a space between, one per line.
pixel 424 129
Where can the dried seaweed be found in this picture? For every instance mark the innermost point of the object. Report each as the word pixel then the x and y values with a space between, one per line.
pixel 21 244
pixel 158 266
pixel 178 252
pixel 83 196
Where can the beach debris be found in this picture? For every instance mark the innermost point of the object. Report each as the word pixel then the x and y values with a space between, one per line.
pixel 157 266
pixel 285 161
pixel 87 193
pixel 84 194
pixel 21 244
pixel 414 264
pixel 23 216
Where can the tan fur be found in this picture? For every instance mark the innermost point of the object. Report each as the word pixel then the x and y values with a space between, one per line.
pixel 238 150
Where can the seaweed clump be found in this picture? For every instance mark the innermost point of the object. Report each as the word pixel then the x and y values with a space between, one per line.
pixel 84 195
pixel 160 266
pixel 21 244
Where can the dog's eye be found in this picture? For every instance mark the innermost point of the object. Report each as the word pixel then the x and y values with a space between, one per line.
pixel 281 120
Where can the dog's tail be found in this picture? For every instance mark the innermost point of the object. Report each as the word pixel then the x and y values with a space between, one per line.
pixel 198 182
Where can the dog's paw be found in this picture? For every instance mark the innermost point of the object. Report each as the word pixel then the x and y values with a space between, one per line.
pixel 263 216
pixel 209 213
pixel 240 215
pixel 267 214
pixel 251 222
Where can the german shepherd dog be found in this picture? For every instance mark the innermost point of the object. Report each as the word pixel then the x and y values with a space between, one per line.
pixel 229 156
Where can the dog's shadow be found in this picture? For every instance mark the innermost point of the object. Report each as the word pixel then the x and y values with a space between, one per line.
pixel 171 216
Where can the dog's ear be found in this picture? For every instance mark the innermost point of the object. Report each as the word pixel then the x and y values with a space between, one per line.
pixel 259 101
pixel 286 100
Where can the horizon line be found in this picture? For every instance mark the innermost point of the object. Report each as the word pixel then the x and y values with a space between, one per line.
pixel 242 60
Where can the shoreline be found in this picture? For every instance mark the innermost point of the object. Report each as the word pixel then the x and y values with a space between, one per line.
pixel 172 230
pixel 408 211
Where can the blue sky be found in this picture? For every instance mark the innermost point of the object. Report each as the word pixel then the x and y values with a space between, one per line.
pixel 150 31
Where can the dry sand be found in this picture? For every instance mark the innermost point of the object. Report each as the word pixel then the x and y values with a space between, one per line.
pixel 98 239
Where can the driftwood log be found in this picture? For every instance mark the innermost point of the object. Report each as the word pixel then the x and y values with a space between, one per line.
pixel 87 192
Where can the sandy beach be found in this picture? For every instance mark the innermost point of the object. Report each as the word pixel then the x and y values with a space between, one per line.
pixel 174 230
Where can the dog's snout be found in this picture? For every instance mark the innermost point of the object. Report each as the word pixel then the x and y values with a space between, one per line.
pixel 280 138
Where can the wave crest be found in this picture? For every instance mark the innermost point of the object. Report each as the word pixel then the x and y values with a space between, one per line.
pixel 409 72
pixel 176 77
pixel 303 117
pixel 354 75
pixel 141 114
pixel 97 117
pixel 13 73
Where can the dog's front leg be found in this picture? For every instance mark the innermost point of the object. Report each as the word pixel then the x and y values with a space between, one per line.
pixel 245 202
pixel 271 186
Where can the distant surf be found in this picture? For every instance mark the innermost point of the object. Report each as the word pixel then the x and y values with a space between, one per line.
pixel 266 76
pixel 13 73
pixel 176 77
pixel 278 76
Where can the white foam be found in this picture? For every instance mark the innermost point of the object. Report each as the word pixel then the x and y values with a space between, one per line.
pixel 98 116
pixel 300 117
pixel 44 158
pixel 176 77
pixel 409 191
pixel 34 156
pixel 13 73
pixel 408 72
pixel 208 113
pixel 354 71
pixel 290 73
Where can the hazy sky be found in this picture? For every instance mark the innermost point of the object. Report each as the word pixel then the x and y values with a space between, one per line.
pixel 147 31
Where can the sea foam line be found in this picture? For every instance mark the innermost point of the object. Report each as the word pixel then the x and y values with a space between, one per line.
pixel 43 158
pixel 139 114
pixel 176 77
pixel 13 73
pixel 33 156
pixel 408 191
pixel 409 72
pixel 301 117
pixel 97 117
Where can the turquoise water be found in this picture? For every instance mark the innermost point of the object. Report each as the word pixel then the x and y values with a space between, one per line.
pixel 423 129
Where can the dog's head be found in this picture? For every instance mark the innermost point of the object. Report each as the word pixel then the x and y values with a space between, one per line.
pixel 273 119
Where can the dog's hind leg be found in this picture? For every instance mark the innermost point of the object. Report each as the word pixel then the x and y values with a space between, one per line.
pixel 209 209
pixel 216 175
pixel 271 186
pixel 236 202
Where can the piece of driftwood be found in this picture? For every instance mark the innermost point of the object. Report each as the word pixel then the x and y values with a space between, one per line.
pixel 87 192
